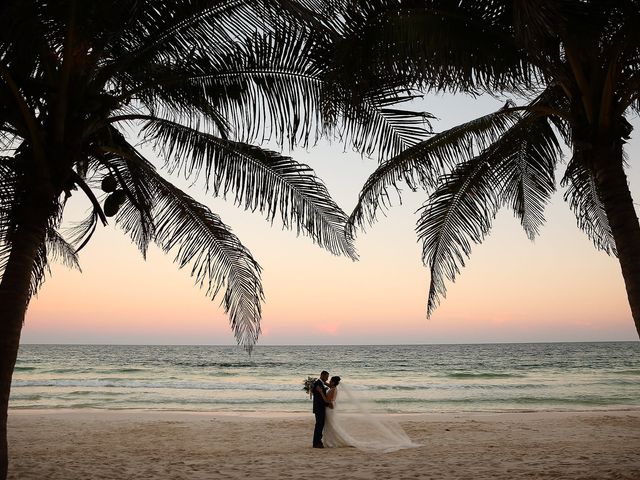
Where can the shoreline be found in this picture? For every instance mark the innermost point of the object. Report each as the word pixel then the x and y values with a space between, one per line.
pixel 302 414
pixel 144 444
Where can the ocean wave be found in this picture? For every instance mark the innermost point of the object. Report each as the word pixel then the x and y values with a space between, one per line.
pixel 172 407
pixel 86 393
pixel 137 384
pixel 482 375
pixel 459 386
pixel 401 404
pixel 122 370
pixel 617 381
pixel 69 370
pixel 514 401
pixel 99 402
pixel 226 401
pixel 578 400
pixel 28 397
pixel 210 364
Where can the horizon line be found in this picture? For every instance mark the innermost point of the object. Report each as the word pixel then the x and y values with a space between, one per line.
pixel 324 344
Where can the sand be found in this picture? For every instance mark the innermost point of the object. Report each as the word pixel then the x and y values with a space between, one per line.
pixel 86 444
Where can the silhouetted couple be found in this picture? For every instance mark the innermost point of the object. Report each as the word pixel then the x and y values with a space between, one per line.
pixel 364 430
pixel 324 396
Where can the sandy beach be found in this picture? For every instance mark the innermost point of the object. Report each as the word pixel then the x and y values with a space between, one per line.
pixel 85 444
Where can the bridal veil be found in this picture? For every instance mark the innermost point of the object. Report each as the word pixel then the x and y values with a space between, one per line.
pixel 355 422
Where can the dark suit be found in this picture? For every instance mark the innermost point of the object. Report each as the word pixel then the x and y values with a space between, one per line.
pixel 319 409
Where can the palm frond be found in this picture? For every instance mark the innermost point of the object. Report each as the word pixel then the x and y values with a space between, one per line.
pixel 8 188
pixel 630 91
pixel 125 163
pixel 516 170
pixel 428 42
pixel 458 213
pixel 278 87
pixel 529 152
pixel 169 29
pixel 176 94
pixel 11 198
pixel 41 266
pixel 259 179
pixel 371 128
pixel 536 26
pixel 157 210
pixel 584 199
pixel 58 248
pixel 39 270
pixel 273 85
pixel 422 164
pixel 217 258
pixel 79 233
pixel 268 87
pixel 323 16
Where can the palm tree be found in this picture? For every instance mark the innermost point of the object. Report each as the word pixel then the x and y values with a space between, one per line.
pixel 200 81
pixel 574 68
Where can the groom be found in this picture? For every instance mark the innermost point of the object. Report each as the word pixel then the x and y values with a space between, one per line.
pixel 319 407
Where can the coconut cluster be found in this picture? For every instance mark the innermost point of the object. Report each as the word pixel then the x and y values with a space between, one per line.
pixel 116 196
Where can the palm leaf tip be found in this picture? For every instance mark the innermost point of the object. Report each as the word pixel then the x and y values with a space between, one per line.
pixel 459 213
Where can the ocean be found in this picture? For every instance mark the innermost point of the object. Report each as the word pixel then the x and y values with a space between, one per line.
pixel 396 378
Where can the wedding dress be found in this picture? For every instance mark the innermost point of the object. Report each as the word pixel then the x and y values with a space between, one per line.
pixel 356 426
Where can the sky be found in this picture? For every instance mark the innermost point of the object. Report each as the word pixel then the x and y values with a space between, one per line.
pixel 557 288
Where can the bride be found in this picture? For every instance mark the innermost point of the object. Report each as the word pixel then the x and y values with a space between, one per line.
pixel 360 429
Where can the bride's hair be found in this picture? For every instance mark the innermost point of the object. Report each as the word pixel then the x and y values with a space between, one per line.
pixel 336 380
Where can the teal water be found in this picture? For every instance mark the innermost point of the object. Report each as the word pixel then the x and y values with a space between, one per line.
pixel 399 378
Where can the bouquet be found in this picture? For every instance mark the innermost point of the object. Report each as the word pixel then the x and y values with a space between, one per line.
pixel 307 385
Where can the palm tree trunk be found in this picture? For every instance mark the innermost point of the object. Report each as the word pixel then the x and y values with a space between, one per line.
pixel 15 291
pixel 618 204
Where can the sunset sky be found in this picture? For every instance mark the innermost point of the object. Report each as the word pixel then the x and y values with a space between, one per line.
pixel 558 288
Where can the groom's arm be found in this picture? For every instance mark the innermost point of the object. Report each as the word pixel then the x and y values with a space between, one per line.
pixel 320 389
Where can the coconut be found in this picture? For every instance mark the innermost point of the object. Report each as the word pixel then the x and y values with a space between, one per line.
pixel 113 202
pixel 109 183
